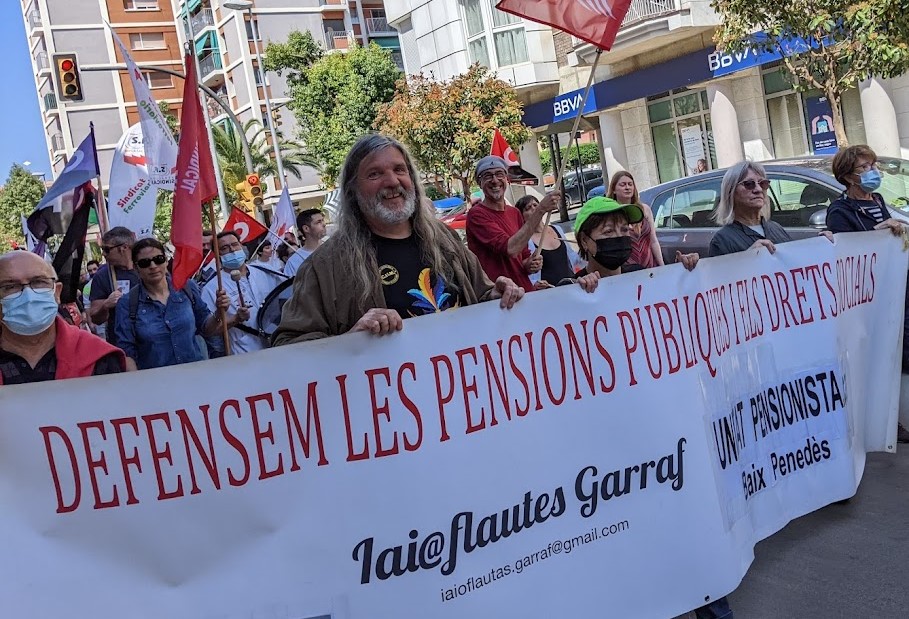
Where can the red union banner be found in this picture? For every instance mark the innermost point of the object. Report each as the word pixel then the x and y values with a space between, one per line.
pixel 630 445
pixel 594 21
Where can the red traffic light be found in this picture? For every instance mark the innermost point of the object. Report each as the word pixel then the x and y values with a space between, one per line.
pixel 67 65
pixel 252 179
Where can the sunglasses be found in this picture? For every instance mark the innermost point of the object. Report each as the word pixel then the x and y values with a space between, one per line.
pixel 144 263
pixel 750 184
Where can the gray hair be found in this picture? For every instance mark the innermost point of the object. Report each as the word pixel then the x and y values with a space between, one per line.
pixel 724 213
pixel 356 250
pixel 119 235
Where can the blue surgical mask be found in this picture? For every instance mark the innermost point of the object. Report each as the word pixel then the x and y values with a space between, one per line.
pixel 29 313
pixel 870 180
pixel 233 260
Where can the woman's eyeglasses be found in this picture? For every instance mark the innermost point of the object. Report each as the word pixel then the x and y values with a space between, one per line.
pixel 144 263
pixel 750 184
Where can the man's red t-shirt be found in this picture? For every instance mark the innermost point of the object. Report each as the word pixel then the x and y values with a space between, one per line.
pixel 488 232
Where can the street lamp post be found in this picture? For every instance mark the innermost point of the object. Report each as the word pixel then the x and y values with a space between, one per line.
pixel 246 5
pixel 577 146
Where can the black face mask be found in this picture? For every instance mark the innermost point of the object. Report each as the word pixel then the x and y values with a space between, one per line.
pixel 614 252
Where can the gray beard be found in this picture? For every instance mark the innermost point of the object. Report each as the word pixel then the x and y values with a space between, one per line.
pixel 376 209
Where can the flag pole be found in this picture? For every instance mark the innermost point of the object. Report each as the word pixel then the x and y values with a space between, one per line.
pixel 571 140
pixel 101 208
pixel 222 313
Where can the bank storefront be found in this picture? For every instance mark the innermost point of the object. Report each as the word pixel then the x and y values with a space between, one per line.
pixel 705 110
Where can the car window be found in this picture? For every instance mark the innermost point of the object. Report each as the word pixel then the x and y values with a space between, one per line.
pixel 693 204
pixel 662 210
pixel 894 181
pixel 797 198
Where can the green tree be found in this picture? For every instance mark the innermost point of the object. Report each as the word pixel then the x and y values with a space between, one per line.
pixel 170 118
pixel 229 147
pixel 334 97
pixel 449 125
pixel 848 41
pixel 19 196
pixel 590 154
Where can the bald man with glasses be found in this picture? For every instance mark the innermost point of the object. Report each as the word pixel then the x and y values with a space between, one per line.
pixel 35 343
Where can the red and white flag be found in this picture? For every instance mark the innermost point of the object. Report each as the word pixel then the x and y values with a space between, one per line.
pixel 500 148
pixel 248 230
pixel 284 218
pixel 594 21
pixel 195 182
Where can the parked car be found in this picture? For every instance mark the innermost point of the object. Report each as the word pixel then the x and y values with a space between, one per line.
pixel 574 192
pixel 800 192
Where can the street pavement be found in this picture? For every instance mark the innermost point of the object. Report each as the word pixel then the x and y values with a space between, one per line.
pixel 842 561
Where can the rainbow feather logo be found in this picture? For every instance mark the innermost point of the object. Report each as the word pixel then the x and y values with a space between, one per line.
pixel 430 299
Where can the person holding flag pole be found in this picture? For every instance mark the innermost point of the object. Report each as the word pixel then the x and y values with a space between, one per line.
pixel 194 186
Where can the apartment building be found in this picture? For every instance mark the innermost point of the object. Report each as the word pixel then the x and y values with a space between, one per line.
pixel 57 26
pixel 663 97
pixel 225 41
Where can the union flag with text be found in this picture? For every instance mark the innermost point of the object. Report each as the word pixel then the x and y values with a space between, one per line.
pixel 594 21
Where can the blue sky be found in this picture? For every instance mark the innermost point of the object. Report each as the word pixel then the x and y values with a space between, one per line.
pixel 22 134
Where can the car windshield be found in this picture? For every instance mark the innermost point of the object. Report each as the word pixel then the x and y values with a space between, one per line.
pixel 894 184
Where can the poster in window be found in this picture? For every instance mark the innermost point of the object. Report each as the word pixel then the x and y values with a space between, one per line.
pixel 820 123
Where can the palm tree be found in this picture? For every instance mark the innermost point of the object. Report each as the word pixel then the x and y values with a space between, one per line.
pixel 233 165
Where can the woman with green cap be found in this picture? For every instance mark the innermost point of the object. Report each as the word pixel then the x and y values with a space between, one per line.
pixel 603 231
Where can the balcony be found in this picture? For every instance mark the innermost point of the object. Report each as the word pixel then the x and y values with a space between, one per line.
pixel 57 143
pixel 200 21
pixel 34 21
pixel 50 102
pixel 42 62
pixel 215 110
pixel 209 64
pixel 642 10
pixel 378 25
pixel 338 39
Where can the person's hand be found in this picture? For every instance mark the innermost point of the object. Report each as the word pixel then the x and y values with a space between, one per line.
pixel 533 264
pixel 222 301
pixel 827 234
pixel 379 321
pixel 893 225
pixel 589 282
pixel 689 261
pixel 542 285
pixel 508 292
pixel 764 243
pixel 550 202
pixel 111 301
pixel 240 317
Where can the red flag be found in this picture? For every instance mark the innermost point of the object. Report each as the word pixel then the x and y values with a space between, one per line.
pixel 500 148
pixel 195 182
pixel 595 21
pixel 247 228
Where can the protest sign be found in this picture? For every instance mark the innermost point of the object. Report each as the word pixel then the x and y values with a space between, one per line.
pixel 611 454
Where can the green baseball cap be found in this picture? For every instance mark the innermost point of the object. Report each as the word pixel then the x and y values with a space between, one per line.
pixel 600 204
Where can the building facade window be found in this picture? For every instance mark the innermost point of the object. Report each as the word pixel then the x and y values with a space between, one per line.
pixel 155 79
pixel 251 30
pixel 140 5
pixel 147 40
pixel 787 111
pixel 490 30
pixel 682 133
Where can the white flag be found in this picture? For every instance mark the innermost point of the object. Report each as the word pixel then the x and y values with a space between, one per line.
pixel 284 218
pixel 160 145
pixel 132 196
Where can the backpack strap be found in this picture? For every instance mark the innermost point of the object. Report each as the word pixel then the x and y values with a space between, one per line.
pixel 133 303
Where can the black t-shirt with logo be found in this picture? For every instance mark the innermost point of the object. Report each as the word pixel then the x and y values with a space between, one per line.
pixel 408 284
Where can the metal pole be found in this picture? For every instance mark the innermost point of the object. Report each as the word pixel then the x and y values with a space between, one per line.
pixel 222 195
pixel 268 109
pixel 577 147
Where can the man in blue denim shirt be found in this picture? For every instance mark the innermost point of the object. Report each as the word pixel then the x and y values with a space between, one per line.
pixel 156 324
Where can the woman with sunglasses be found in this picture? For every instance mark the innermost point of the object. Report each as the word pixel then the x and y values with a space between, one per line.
pixel 156 324
pixel 741 209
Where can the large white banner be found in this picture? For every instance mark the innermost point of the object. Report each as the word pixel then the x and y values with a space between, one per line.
pixel 160 145
pixel 132 198
pixel 615 454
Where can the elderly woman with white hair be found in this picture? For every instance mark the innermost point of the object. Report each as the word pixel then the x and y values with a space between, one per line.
pixel 741 209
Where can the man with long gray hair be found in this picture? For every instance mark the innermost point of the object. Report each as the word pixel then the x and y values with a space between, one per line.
pixel 390 258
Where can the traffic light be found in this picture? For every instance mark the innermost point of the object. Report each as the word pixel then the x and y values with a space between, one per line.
pixel 250 194
pixel 275 119
pixel 69 84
